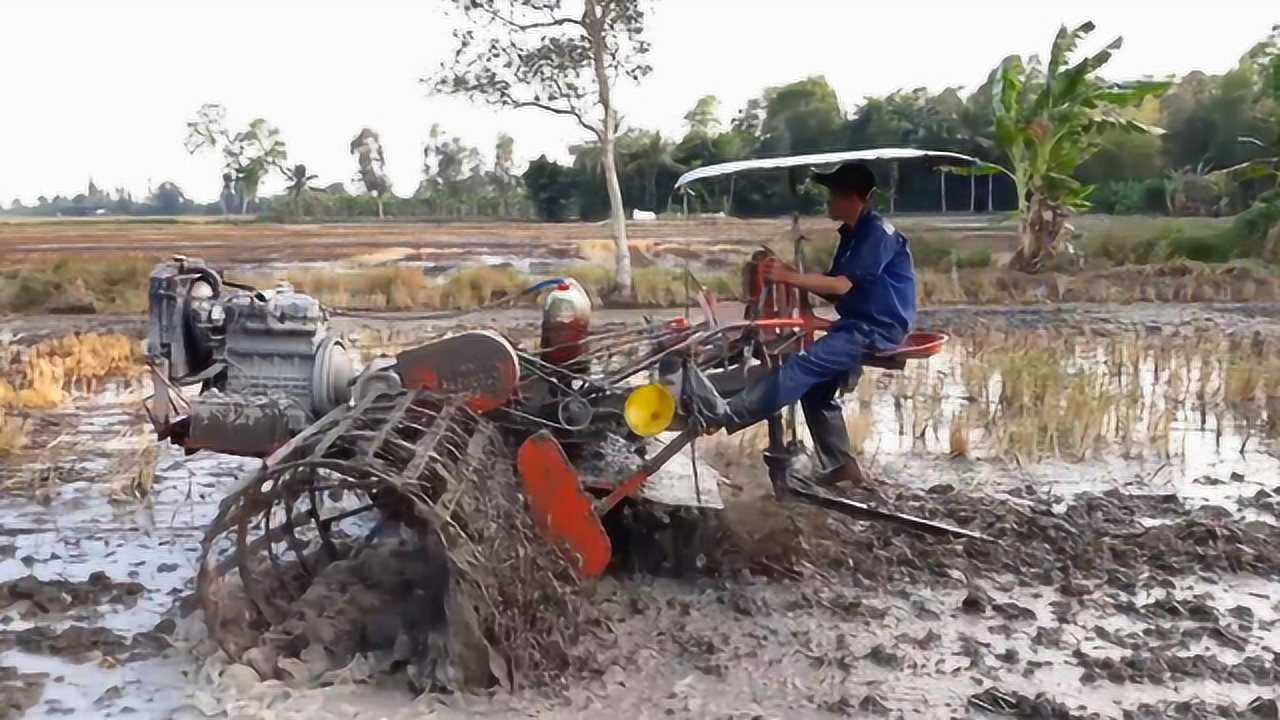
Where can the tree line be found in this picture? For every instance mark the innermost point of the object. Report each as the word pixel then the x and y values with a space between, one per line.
pixel 1215 131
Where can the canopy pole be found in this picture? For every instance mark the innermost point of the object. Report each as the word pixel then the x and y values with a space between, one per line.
pixel 893 186
pixel 942 184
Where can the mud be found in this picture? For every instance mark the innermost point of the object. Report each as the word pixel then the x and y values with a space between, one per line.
pixel 80 642
pixel 19 691
pixel 30 596
pixel 1124 586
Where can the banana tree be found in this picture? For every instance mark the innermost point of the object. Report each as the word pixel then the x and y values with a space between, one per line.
pixel 1049 118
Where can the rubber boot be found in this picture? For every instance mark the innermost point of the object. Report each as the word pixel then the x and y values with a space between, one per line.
pixel 746 408
pixel 739 412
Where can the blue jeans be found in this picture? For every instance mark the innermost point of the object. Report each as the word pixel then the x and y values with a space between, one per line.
pixel 814 378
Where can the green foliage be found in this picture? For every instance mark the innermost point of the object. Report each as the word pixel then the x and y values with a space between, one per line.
pixel 550 187
pixel 248 156
pixel 1069 130
pixel 976 258
pixel 31 292
pixel 1131 197
pixel 931 251
pixel 1139 241
pixel 1251 228
pixel 1049 119
pixel 704 119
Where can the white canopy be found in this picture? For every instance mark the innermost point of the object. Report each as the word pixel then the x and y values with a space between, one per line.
pixel 818 159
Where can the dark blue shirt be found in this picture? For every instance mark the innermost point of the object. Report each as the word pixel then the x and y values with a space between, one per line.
pixel 876 259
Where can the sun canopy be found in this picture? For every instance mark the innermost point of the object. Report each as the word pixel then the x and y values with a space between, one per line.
pixel 832 158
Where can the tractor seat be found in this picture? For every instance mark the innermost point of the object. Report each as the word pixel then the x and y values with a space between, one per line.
pixel 915 346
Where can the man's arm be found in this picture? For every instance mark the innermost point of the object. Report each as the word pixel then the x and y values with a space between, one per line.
pixel 828 286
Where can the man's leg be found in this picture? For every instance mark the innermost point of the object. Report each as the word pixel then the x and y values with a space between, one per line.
pixel 828 361
pixel 825 418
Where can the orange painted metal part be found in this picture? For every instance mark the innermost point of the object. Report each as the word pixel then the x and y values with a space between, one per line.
pixel 563 512
pixel 480 365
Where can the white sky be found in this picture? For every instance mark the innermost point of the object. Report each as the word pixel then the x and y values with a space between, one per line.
pixel 92 90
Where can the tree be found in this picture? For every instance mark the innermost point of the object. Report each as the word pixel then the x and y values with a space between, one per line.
pixel 1049 120
pixel 248 155
pixel 503 179
pixel 550 187
pixel 453 174
pixel 802 117
pixel 168 199
pixel 227 196
pixel 750 120
pixel 704 118
pixel 545 55
pixel 648 157
pixel 298 186
pixel 367 147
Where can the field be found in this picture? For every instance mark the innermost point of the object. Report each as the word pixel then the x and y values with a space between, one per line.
pixel 265 243
pixel 1114 428
pixel 101 266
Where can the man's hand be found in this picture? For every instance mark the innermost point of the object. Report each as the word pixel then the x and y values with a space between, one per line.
pixel 774 270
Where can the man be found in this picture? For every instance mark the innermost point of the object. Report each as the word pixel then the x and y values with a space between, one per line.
pixel 873 287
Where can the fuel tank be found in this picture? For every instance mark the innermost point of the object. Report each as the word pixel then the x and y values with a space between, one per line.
pixel 566 319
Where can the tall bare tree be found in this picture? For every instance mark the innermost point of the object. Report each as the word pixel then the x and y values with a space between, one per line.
pixel 367 147
pixel 562 57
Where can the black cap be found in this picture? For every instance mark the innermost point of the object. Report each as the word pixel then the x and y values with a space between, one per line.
pixel 853 177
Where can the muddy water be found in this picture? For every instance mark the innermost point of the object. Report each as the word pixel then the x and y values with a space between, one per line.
pixel 798 615
pixel 68 529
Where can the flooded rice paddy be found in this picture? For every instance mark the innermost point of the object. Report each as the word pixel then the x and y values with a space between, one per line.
pixel 1123 459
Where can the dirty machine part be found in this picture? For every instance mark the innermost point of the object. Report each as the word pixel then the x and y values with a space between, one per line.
pixel 267 362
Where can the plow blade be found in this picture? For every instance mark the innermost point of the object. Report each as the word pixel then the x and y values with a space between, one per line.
pixel 862 511
pixel 563 512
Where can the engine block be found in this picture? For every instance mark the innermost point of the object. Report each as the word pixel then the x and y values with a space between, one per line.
pixel 267 362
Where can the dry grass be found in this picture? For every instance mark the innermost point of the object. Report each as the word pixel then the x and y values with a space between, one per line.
pixel 116 285
pixel 478 286
pixel 407 288
pixel 134 473
pixel 13 433
pixel 1173 281
pixel 1024 397
pixel 43 376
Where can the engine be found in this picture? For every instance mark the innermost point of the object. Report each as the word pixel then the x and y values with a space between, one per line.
pixel 267 363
